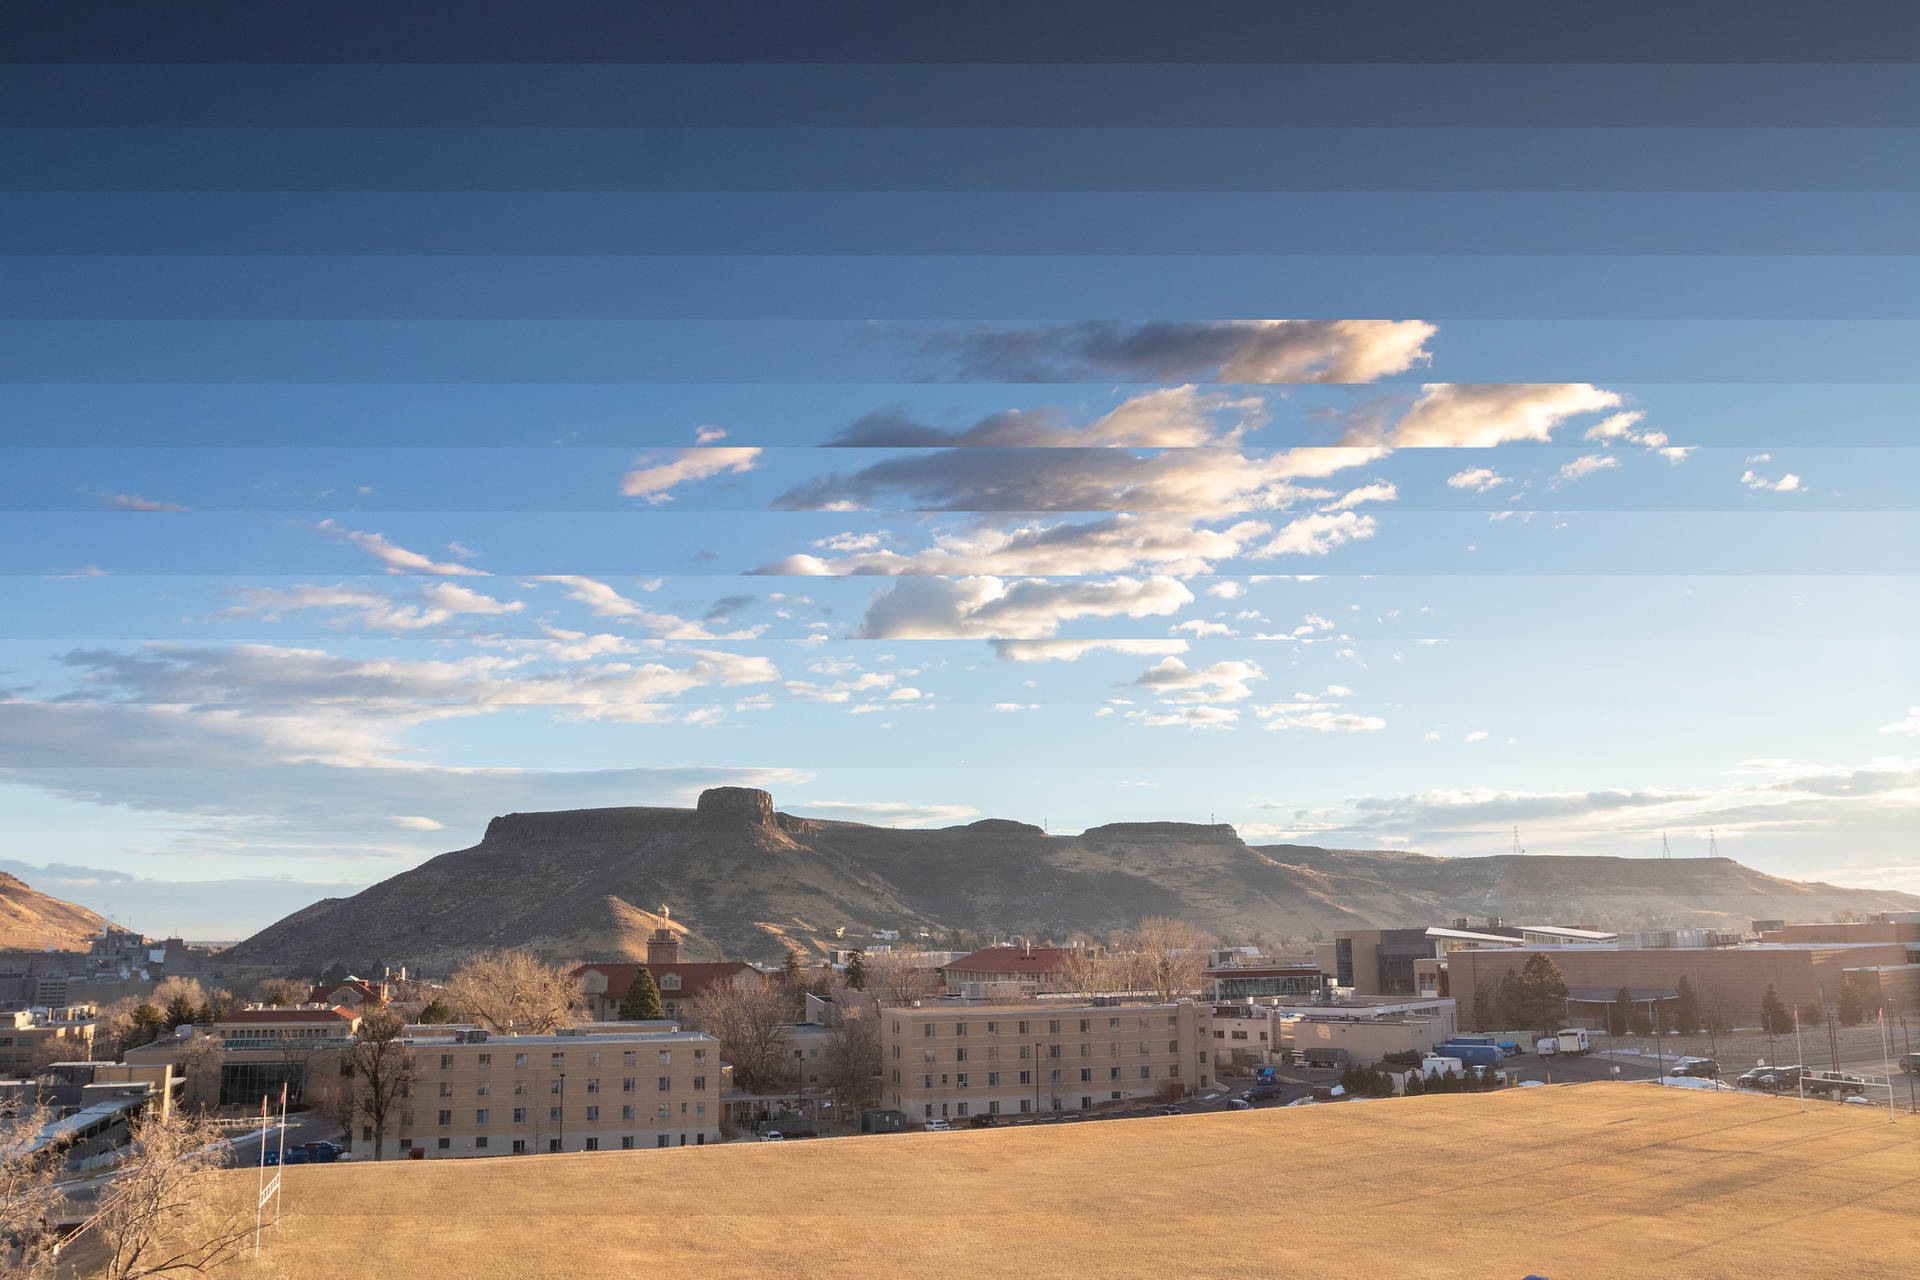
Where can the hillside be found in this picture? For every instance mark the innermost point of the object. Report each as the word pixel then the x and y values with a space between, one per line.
pixel 1585 1180
pixel 745 880
pixel 32 921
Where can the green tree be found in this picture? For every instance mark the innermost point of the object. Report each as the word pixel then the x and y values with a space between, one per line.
pixel 1637 1021
pixel 857 969
pixel 642 1001
pixel 1620 1012
pixel 1775 1018
pixel 1812 1015
pixel 436 1013
pixel 181 1010
pixel 1686 1008
pixel 1543 993
pixel 1416 1084
pixel 1852 1009
pixel 792 966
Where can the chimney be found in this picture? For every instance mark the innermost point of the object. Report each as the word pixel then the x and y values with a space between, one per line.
pixel 663 947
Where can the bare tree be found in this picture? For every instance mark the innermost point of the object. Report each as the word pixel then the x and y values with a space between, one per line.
pixel 1166 958
pixel 198 1065
pixel 515 993
pixel 282 992
pixel 171 1211
pixel 382 1070
pixel 898 978
pixel 749 1019
pixel 30 1199
pixel 853 1060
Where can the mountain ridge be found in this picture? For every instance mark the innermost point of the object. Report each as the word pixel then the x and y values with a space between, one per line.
pixel 748 881
pixel 34 921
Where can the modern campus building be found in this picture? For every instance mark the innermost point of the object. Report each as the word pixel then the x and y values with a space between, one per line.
pixel 953 1059
pixel 582 1089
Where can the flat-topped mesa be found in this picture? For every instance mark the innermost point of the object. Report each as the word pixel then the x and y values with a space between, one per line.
pixel 1190 832
pixel 750 803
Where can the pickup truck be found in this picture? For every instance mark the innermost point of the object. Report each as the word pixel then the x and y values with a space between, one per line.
pixel 1910 1063
pixel 1833 1084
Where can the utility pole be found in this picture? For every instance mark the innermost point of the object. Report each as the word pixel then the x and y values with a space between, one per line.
pixel 563 1113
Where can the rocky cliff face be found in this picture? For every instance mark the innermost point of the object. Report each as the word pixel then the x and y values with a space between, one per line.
pixel 749 881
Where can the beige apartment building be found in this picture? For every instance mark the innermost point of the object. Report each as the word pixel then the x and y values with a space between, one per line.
pixel 578 1090
pixel 956 1060
pixel 30 1039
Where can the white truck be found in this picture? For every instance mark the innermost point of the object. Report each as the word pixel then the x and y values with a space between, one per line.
pixel 1565 1042
pixel 1436 1066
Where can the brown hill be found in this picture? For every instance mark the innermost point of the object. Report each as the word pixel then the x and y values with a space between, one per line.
pixel 745 880
pixel 32 921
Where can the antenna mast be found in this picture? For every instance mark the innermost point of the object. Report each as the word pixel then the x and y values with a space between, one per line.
pixel 1666 854
pixel 1713 844
pixel 1517 850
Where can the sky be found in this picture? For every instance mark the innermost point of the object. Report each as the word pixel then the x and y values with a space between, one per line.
pixel 1373 456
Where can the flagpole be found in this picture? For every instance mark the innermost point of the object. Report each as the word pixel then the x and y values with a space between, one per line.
pixel 1886 1050
pixel 1800 1078
pixel 260 1194
pixel 281 1163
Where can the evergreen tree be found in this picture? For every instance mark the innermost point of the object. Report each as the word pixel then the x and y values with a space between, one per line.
pixel 436 1013
pixel 1686 1008
pixel 1416 1084
pixel 1637 1021
pixel 1812 1015
pixel 1620 1012
pixel 1774 1016
pixel 1852 1009
pixel 1449 1082
pixel 857 969
pixel 792 967
pixel 642 1001
pixel 1509 1000
pixel 181 1010
pixel 1543 993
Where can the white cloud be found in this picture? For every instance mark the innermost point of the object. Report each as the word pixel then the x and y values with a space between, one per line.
pixel 434 604
pixel 1074 650
pixel 709 435
pixel 605 602
pixel 1787 483
pixel 1200 628
pixel 397 559
pixel 1016 706
pixel 1910 726
pixel 1482 415
pixel 1478 735
pixel 1378 491
pixel 1319 712
pixel 1030 608
pixel 1585 465
pixel 134 502
pixel 1315 535
pixel 1234 351
pixel 1227 590
pixel 1200 717
pixel 1478 479
pixel 889 814
pixel 1172 680
pixel 416 823
pixel 682 466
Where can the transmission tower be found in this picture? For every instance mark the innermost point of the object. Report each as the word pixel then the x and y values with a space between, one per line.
pixel 1713 844
pixel 1666 854
pixel 1517 850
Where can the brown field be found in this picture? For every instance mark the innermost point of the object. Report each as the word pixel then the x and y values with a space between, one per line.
pixel 1571 1183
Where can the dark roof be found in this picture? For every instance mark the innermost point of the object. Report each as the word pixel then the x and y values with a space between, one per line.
pixel 1607 995
pixel 1012 960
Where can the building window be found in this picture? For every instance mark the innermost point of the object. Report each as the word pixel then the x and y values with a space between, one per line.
pixel 445 1144
pixel 959 1055
pixel 1203 1055
pixel 446 1117
pixel 699 1083
pixel 626 1140
pixel 700 1110
pixel 480 1116
pixel 593 1058
pixel 559 1059
pixel 699 1055
pixel 993 1028
pixel 1113 1024
pixel 993 1079
pixel 1053 1026
pixel 960 1108
pixel 446 1062
pixel 480 1143
pixel 1086 1025
pixel 553 1144
pixel 666 1057
pixel 1173 1071
pixel 1173 1046
pixel 663 1112
pixel 626 1112
pixel 520 1088
pixel 1053 1051
pixel 626 1085
pixel 520 1061
pixel 553 1115
pixel 927 1055
pixel 406 1144
pixel 593 1084
pixel 1086 1050
pixel 927 1030
pixel 1086 1073
pixel 553 1086
pixel 446 1088
pixel 666 1083
pixel 1024 1055
pixel 519 1115
pixel 593 1113
pixel 1026 1077
pixel 661 1141
pixel 519 1146
pixel 627 1059
pixel 960 1081
pixel 486 1062
pixel 481 1090
pixel 1146 1072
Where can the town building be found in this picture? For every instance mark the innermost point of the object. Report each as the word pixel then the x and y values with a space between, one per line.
pixel 581 1089
pixel 1256 981
pixel 955 1059
pixel 604 984
pixel 1362 1030
pixel 32 1038
pixel 1036 968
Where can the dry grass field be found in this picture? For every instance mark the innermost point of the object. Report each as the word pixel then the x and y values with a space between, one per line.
pixel 1571 1183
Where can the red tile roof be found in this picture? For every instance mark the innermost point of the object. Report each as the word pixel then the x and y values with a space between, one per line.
pixel 291 1015
pixel 694 978
pixel 1013 960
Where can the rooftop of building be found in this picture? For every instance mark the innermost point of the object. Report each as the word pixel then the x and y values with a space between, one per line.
pixel 935 1006
pixel 287 1015
pixel 569 1041
pixel 1012 959
pixel 1660 1184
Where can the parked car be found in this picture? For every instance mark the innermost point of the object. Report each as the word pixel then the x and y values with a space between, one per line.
pixel 937 1126
pixel 1910 1063
pixel 1832 1084
pixel 1169 1111
pixel 1260 1093
pixel 320 1152
pixel 773 1135
pixel 1699 1068
pixel 295 1155
pixel 985 1120
pixel 1240 1104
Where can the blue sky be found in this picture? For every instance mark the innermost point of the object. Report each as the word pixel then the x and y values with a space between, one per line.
pixel 1386 487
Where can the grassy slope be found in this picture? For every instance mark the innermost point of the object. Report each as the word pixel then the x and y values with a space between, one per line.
pixel 1590 1181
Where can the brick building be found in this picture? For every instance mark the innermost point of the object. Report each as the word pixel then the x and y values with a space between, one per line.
pixel 604 984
